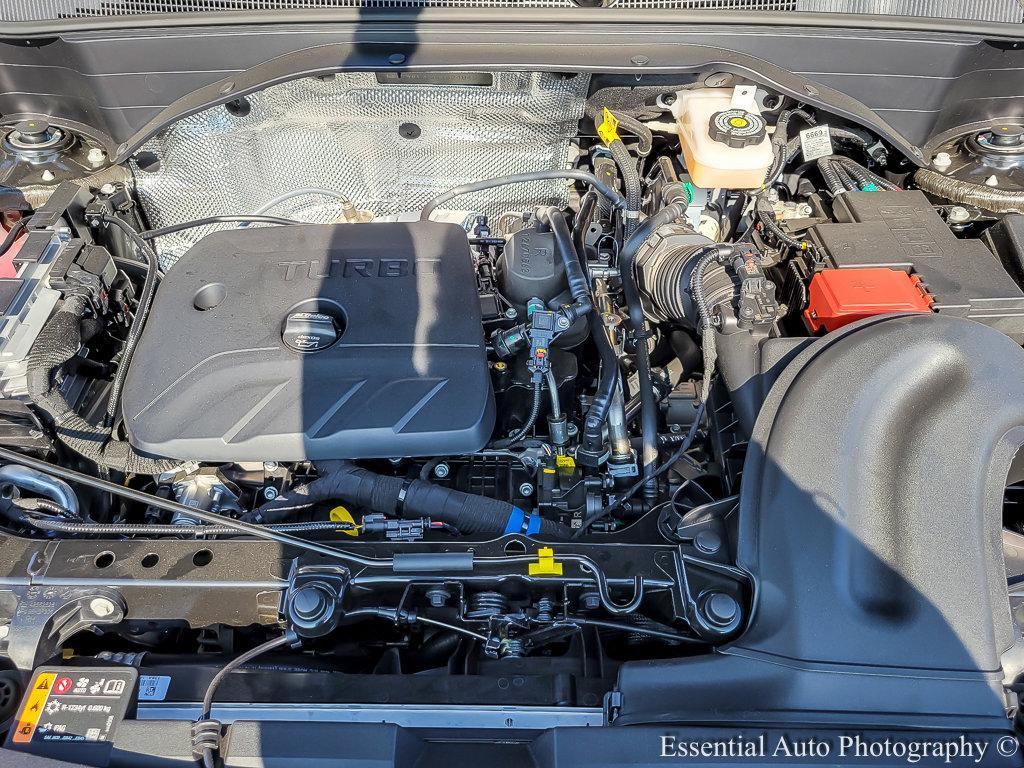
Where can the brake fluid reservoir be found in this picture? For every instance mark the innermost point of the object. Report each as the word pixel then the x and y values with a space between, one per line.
pixel 723 136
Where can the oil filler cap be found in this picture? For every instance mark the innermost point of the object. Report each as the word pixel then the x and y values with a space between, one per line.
pixel 310 331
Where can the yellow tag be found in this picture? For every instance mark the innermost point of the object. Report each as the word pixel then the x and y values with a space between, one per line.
pixel 608 129
pixel 342 515
pixel 565 462
pixel 546 564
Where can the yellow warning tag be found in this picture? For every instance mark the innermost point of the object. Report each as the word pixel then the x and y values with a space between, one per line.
pixel 30 713
pixel 608 129
pixel 342 515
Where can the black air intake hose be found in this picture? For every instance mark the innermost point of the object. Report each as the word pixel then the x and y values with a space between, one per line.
pixel 687 281
pixel 57 343
pixel 466 512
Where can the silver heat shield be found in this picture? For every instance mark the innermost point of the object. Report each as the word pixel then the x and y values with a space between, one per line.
pixel 389 147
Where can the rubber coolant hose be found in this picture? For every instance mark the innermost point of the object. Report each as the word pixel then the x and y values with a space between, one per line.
pixel 579 288
pixel 466 512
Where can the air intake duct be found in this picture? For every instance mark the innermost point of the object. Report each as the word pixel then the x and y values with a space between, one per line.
pixel 687 279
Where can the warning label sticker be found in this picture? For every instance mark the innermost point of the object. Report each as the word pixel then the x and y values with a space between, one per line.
pixel 65 705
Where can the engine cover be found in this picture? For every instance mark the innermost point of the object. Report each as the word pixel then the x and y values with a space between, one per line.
pixel 314 342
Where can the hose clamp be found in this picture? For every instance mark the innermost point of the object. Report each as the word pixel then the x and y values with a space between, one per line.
pixel 402 493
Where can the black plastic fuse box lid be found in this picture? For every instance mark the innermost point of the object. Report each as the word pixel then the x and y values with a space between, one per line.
pixel 902 230
pixel 213 379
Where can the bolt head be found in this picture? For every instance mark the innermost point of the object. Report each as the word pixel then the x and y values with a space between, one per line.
pixel 438 598
pixel 526 489
pixel 270 466
pixel 270 493
pixel 590 601
pixel 511 313
pixel 96 156
pixel 441 470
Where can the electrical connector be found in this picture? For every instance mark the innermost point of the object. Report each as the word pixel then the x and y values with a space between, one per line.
pixel 396 530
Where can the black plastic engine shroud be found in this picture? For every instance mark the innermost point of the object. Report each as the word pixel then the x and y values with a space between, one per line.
pixel 213 380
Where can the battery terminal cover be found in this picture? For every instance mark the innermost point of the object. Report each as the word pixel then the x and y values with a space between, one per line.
pixel 838 297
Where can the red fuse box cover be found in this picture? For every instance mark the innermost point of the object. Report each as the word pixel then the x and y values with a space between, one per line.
pixel 838 297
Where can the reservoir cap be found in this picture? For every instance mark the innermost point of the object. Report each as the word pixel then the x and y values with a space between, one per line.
pixel 737 128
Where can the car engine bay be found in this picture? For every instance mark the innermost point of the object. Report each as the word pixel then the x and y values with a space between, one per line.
pixel 510 389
